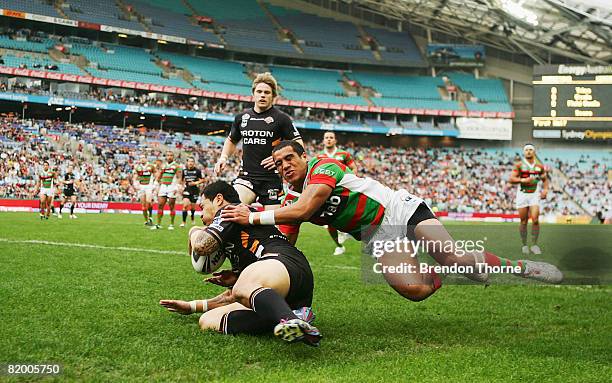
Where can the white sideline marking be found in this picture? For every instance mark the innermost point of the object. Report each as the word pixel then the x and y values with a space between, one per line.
pixel 90 246
pixel 133 249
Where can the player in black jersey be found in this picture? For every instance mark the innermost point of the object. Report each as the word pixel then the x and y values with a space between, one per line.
pixel 260 128
pixel 68 192
pixel 269 279
pixel 192 178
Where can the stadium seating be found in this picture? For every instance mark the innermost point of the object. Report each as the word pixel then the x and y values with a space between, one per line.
pixel 21 44
pixel 309 80
pixel 323 37
pixel 245 25
pixel 138 77
pixel 99 12
pixel 490 90
pixel 39 7
pixel 118 57
pixel 322 97
pixel 396 47
pixel 449 179
pixel 172 18
pixel 212 74
pixel 399 86
pixel 39 63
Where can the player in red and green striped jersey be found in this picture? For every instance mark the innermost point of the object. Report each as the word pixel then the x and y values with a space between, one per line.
pixel 46 186
pixel 331 151
pixel 169 176
pixel 327 192
pixel 144 173
pixel 528 174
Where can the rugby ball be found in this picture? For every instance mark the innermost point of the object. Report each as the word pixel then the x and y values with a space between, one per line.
pixel 207 264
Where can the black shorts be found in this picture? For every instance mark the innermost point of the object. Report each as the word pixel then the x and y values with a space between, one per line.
pixel 192 194
pixel 300 275
pixel 422 213
pixel 268 190
pixel 68 192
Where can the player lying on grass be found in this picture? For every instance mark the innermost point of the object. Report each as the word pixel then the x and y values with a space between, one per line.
pixel 269 278
pixel 326 192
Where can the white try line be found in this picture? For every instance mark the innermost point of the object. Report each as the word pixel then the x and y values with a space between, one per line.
pixel 132 249
pixel 90 246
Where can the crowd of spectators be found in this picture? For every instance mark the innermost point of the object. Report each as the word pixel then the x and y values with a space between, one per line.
pixel 449 179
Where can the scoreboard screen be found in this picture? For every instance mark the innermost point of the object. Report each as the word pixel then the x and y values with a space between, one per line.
pixel 576 98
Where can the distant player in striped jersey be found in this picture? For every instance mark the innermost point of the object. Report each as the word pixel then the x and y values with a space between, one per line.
pixel 326 192
pixel 46 185
pixel 142 180
pixel 168 178
pixel 528 174
pixel 192 178
pixel 331 151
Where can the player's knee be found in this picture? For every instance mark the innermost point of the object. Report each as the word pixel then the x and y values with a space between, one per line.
pixel 241 292
pixel 209 321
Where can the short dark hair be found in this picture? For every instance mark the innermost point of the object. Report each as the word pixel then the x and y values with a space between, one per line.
pixel 297 147
pixel 329 131
pixel 221 187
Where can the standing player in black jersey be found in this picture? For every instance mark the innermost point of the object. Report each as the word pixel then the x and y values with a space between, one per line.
pixel 269 279
pixel 68 192
pixel 192 178
pixel 260 129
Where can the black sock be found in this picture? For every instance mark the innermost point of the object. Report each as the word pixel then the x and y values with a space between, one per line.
pixel 245 322
pixel 72 208
pixel 150 212
pixel 184 216
pixel 192 214
pixel 270 305
pixel 61 207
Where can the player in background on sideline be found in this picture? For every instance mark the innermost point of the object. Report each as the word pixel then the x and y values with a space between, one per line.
pixel 527 174
pixel 168 178
pixel 68 192
pixel 46 183
pixel 271 283
pixel 328 193
pixel 331 151
pixel 192 178
pixel 142 179
pixel 259 128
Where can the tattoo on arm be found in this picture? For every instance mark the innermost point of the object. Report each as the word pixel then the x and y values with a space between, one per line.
pixel 203 243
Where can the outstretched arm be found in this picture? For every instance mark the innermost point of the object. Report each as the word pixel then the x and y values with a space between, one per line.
pixel 313 197
pixel 198 306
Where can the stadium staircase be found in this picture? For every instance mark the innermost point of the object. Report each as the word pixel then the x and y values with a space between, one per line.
pixel 58 7
pixel 284 32
pixel 190 7
pixel 131 13
pixel 365 39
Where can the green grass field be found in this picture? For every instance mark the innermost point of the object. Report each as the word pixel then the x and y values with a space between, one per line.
pixel 95 310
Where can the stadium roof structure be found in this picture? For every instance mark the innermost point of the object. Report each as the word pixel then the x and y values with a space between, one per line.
pixel 577 29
